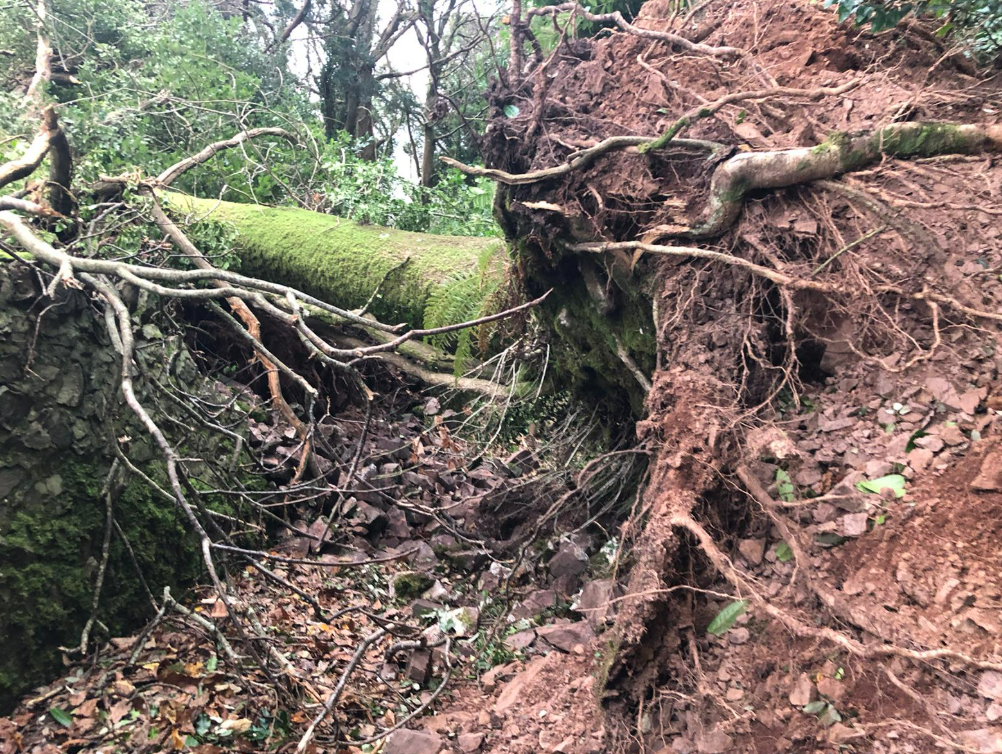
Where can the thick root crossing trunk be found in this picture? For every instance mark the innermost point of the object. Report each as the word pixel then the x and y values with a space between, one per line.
pixel 841 153
pixel 422 279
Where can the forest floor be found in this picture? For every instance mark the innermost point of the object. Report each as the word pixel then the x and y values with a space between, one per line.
pixel 527 650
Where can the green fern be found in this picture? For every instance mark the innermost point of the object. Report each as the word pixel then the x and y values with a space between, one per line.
pixel 464 297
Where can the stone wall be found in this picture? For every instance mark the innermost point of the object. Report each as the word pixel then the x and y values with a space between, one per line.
pixel 58 399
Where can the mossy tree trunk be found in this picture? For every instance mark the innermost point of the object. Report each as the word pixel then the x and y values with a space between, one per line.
pixel 344 263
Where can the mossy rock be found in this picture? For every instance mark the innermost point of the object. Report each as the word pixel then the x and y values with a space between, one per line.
pixel 55 455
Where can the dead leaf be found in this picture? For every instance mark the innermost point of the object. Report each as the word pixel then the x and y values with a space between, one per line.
pixel 239 725
pixel 176 740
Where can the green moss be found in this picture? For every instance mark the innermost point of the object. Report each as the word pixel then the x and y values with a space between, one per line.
pixel 921 140
pixel 605 658
pixel 48 564
pixel 343 262
pixel 410 585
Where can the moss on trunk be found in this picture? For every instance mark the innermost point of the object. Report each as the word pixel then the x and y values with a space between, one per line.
pixel 344 262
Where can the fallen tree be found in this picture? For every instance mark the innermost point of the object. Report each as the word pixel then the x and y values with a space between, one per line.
pixel 720 251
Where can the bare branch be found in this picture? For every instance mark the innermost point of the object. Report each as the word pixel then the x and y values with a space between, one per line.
pixel 169 175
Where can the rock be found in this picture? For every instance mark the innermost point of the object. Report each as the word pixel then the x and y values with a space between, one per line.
pixel 570 560
pixel 734 694
pixel 514 688
pixel 943 392
pixel 423 607
pixel 970 400
pixel 521 640
pixel 369 516
pixel 423 556
pixel 470 742
pixel 982 740
pixel 534 604
pixel 831 688
pixel 989 479
pixel 876 469
pixel 804 691
pixel 952 435
pixel 920 458
pixel 714 742
pixel 566 636
pixel 594 601
pixel 752 550
pixel 412 742
pixel 994 712
pixel 419 666
pixel 437 593
pixel 853 524
pixel 396 525
pixel 738 636
pixel 934 443
pixel 407 585
pixel 990 685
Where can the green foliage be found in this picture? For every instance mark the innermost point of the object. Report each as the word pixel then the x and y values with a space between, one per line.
pixel 725 619
pixel 371 192
pixel 978 22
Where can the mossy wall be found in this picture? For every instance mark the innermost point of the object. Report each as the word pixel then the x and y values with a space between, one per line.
pixel 58 382
pixel 343 262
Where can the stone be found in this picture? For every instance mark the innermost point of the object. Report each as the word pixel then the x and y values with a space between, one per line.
pixel 409 584
pixel 738 636
pixel 734 694
pixel 514 688
pixel 982 740
pixel 920 458
pixel 853 524
pixel 567 636
pixel 470 742
pixel 534 603
pixel 804 692
pixel 970 400
pixel 594 601
pixel 405 741
pixel 570 560
pixel 943 392
pixel 952 435
pixel 714 742
pixel 934 443
pixel 989 478
pixel 752 550
pixel 521 640
pixel 990 685
pixel 423 556
pixel 423 607
pixel 369 516
pixel 419 666
pixel 831 688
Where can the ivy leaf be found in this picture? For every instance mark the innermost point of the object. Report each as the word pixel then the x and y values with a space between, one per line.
pixel 61 716
pixel 511 111
pixel 894 482
pixel 829 539
pixel 783 552
pixel 726 617
pixel 784 486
